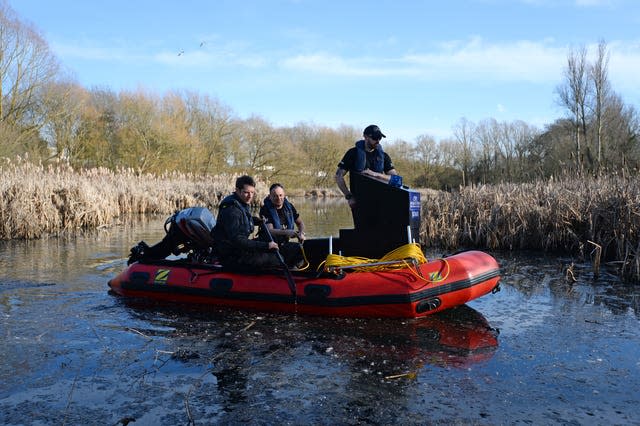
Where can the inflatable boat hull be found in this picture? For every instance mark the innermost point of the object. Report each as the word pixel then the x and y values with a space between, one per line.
pixel 404 293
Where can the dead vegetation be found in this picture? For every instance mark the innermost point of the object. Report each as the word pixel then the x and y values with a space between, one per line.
pixel 37 200
pixel 595 219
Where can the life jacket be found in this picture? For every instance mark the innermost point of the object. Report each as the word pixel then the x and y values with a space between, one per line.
pixel 288 213
pixel 361 158
pixel 232 200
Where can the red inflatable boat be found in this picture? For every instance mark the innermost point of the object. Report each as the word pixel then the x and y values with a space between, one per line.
pixel 403 293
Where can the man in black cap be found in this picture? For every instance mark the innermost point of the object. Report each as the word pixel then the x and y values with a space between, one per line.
pixel 366 157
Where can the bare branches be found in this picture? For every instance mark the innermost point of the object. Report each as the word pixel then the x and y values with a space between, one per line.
pixel 573 95
pixel 26 65
pixel 598 72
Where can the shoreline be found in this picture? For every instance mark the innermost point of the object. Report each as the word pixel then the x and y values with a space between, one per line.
pixel 597 219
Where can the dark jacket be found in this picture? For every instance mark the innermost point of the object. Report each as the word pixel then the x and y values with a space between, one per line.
pixel 233 228
pixel 356 159
pixel 377 165
pixel 269 211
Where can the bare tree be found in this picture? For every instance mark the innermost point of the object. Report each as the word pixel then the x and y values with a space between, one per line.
pixel 621 125
pixel 26 66
pixel 143 143
pixel 523 136
pixel 573 95
pixel 259 148
pixel 427 157
pixel 485 134
pixel 599 77
pixel 101 123
pixel 451 174
pixel 403 154
pixel 319 151
pixel 463 132
pixel 63 107
pixel 212 125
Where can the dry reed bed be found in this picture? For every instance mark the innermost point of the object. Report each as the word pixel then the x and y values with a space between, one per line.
pixel 579 216
pixel 586 216
pixel 36 200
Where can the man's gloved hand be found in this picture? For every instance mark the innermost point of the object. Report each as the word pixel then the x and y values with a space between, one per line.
pixel 137 252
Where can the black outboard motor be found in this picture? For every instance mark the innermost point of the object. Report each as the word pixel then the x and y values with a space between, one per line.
pixel 188 231
pixel 196 223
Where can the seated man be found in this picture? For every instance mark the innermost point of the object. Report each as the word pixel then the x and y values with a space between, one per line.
pixel 281 217
pixel 235 248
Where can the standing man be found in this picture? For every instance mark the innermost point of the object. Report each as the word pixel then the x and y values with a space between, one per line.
pixel 237 251
pixel 366 157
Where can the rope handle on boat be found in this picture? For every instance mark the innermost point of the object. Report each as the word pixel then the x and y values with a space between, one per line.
pixel 306 264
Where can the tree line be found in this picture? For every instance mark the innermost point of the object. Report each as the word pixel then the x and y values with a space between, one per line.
pixel 48 116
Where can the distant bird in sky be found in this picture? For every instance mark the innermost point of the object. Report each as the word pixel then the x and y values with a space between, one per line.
pixel 202 43
pixel 181 52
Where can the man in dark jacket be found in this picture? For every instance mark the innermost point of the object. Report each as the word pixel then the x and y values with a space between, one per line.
pixel 234 226
pixel 281 217
pixel 366 157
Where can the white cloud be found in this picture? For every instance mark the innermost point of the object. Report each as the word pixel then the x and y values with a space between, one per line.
pixel 592 3
pixel 322 63
pixel 474 59
pixel 200 59
pixel 517 61
pixel 209 54
pixel 578 3
pixel 92 53
pixel 624 63
pixel 453 60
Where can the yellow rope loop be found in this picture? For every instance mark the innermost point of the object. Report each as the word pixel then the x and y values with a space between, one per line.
pixel 401 255
pixel 337 261
pixel 408 256
pixel 406 251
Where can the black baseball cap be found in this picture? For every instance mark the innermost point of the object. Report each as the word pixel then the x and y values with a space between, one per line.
pixel 373 131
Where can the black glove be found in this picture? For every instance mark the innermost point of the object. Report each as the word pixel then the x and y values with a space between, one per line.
pixel 137 252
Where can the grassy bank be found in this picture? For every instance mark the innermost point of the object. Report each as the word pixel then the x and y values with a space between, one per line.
pixel 596 219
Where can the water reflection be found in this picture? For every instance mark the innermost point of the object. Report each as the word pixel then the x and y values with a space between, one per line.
pixel 252 353
pixel 63 259
pixel 537 274
pixel 72 354
pixel 324 216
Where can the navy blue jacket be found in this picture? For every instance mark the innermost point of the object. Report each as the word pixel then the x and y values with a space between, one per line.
pixel 233 228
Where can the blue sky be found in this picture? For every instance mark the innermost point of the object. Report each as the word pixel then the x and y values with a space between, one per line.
pixel 413 67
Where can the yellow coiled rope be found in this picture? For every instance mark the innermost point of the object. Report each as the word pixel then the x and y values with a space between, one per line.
pixel 408 256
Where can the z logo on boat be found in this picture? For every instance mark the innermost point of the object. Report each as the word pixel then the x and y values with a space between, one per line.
pixel 435 277
pixel 162 275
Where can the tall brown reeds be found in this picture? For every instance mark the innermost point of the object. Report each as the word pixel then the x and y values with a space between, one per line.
pixel 596 218
pixel 571 215
pixel 37 200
